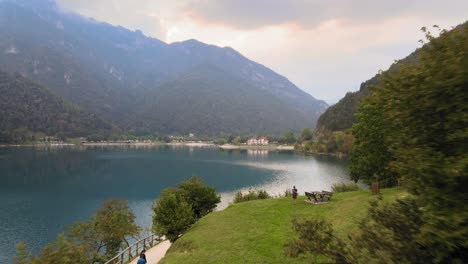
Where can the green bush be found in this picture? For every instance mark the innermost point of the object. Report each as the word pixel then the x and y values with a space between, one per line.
pixel 251 195
pixel 179 208
pixel 288 193
pixel 345 187
pixel 203 199
pixel 172 216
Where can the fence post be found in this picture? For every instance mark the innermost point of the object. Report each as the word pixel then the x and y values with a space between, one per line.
pixel 136 250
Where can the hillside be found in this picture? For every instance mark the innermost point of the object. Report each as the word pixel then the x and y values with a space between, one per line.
pixel 340 116
pixel 30 108
pixel 256 231
pixel 222 102
pixel 111 71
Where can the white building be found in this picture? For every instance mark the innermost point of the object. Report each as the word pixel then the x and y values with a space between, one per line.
pixel 257 141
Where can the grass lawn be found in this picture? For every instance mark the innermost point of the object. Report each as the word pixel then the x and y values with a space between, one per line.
pixel 255 232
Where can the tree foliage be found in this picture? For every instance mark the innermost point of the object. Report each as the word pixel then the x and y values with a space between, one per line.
pixel 326 141
pixel 250 196
pixel 306 135
pixel 415 126
pixel 28 109
pixel 172 216
pixel 370 157
pixel 96 240
pixel 288 138
pixel 202 199
pixel 178 208
pixel 390 233
pixel 114 222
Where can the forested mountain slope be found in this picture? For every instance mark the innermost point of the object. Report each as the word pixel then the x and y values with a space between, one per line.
pixel 111 71
pixel 340 116
pixel 28 107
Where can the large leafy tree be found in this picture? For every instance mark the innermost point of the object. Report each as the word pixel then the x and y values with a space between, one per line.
pixel 370 157
pixel 115 222
pixel 172 216
pixel 179 208
pixel 419 115
pixel 93 241
pixel 427 103
pixel 203 199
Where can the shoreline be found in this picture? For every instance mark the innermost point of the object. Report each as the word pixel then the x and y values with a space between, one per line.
pixel 256 147
pixel 149 144
pixel 337 155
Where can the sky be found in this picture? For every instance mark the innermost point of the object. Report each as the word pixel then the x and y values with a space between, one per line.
pixel 325 47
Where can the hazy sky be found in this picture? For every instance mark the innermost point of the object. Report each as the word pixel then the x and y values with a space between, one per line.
pixel 326 47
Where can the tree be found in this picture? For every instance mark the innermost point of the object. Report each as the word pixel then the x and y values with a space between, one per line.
pixel 306 135
pixel 418 114
pixel 429 138
pixel 370 157
pixel 236 141
pixel 316 236
pixel 114 222
pixel 172 216
pixel 202 199
pixel 289 138
pixel 22 255
pixel 107 231
pixel 95 240
pixel 179 208
pixel 388 234
pixel 414 125
pixel 59 251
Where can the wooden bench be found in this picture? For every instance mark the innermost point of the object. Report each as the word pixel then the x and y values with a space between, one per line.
pixel 319 196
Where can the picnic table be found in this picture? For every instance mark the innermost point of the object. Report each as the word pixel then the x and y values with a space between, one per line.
pixel 319 196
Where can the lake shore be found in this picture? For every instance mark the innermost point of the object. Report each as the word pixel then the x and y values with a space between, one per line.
pixel 256 147
pixel 149 144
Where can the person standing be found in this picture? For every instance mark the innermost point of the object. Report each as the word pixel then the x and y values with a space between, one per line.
pixel 142 259
pixel 294 194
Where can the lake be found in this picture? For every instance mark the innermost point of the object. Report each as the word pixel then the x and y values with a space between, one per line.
pixel 43 189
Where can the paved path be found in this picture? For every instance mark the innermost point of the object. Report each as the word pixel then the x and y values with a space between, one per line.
pixel 156 253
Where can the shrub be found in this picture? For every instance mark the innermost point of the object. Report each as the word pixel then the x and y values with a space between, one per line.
pixel 179 208
pixel 251 195
pixel 172 216
pixel 345 187
pixel 202 199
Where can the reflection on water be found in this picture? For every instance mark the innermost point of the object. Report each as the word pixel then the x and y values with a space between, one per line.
pixel 43 189
pixel 263 153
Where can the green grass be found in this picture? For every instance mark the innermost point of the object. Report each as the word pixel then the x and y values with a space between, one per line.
pixel 256 231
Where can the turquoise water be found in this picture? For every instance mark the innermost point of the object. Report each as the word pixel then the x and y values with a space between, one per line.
pixel 43 189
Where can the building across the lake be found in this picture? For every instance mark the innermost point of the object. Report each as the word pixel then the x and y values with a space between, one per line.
pixel 257 141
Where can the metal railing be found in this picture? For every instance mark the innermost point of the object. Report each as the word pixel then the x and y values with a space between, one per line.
pixel 133 251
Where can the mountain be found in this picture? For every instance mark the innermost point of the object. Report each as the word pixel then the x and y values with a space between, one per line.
pixel 113 72
pixel 29 107
pixel 340 116
pixel 222 101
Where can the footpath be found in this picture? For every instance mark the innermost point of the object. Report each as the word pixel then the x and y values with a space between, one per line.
pixel 156 253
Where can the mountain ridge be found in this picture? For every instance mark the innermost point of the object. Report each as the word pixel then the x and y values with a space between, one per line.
pixel 28 108
pixel 110 71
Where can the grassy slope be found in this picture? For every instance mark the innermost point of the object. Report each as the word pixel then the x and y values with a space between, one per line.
pixel 255 232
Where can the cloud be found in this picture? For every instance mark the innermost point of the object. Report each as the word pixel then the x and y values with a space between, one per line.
pixel 325 47
pixel 248 14
pixel 142 16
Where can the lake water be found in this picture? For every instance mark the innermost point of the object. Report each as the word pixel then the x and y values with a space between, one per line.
pixel 43 189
